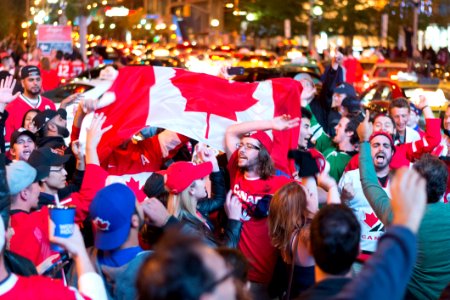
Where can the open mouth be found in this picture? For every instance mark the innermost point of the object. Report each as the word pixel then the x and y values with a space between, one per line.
pixel 380 158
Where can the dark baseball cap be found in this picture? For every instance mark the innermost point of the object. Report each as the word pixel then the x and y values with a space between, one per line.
pixel 21 131
pixel 42 118
pixel 345 88
pixel 48 157
pixel 28 71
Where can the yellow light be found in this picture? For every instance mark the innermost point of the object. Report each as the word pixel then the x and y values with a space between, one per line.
pixel 173 36
pixel 25 34
pixel 229 5
pixel 104 2
pixel 24 25
pixel 214 23
pixel 139 26
pixel 173 27
pixel 94 5
pixel 148 26
pixel 88 7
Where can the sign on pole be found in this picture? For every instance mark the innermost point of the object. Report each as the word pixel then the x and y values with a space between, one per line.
pixel 58 37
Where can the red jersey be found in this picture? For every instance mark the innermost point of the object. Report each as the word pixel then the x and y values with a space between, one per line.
pixel 95 61
pixel 36 287
pixel 17 110
pixel 64 70
pixel 77 68
pixel 145 156
pixel 255 242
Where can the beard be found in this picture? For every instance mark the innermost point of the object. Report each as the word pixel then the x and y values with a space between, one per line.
pixel 63 131
pixel 34 92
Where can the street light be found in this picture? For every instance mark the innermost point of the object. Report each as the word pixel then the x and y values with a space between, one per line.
pixel 251 17
pixel 215 23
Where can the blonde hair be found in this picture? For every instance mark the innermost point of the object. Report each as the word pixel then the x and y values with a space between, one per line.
pixel 182 204
pixel 288 214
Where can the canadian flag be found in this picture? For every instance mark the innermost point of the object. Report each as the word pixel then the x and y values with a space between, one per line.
pixel 197 105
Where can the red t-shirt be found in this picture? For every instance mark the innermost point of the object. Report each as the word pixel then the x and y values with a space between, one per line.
pixel 18 108
pixel 30 235
pixel 36 287
pixel 255 242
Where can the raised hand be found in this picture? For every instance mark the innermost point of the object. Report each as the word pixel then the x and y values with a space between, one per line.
pixel 285 122
pixel 155 213
pixel 207 154
pixel 6 90
pixel 233 207
pixel 348 192
pixel 423 102
pixel 95 131
pixel 365 129
pixel 69 100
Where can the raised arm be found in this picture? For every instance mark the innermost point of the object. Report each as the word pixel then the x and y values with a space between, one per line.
pixel 374 193
pixel 235 132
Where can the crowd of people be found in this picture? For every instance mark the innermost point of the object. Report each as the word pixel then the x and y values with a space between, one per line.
pixel 363 216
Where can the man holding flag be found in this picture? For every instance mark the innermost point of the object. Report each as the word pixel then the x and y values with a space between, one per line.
pixel 248 147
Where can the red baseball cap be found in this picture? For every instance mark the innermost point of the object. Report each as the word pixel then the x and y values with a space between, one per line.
pixel 181 174
pixel 263 138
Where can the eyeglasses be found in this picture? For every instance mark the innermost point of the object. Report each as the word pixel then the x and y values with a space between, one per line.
pixel 247 146
pixel 212 285
pixel 57 170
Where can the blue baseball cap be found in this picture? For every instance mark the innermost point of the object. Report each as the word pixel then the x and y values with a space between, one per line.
pixel 345 88
pixel 111 211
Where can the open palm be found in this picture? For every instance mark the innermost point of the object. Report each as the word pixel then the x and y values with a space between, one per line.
pixel 6 90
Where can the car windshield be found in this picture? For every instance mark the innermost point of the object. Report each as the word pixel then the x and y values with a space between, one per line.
pixel 59 94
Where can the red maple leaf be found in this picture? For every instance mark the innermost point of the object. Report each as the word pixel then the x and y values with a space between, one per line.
pixel 101 224
pixel 211 99
pixel 134 186
pixel 371 219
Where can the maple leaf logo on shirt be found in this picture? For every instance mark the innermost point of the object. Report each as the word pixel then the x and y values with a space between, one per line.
pixel 371 219
pixel 213 101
